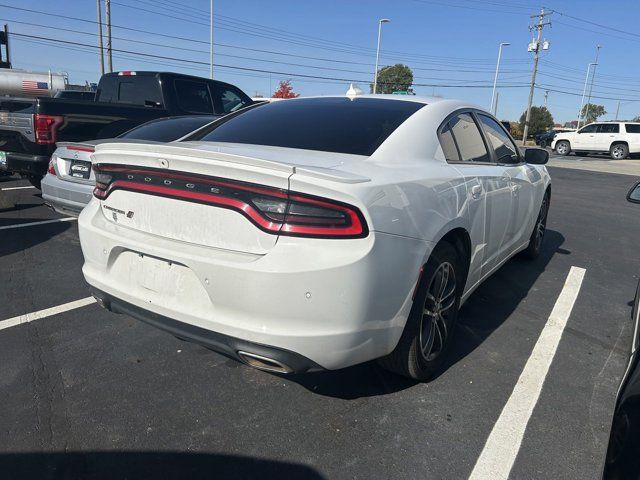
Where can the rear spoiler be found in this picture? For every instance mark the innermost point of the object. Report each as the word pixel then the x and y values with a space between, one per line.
pixel 203 153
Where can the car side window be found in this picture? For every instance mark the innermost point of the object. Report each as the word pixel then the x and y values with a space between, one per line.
pixel 504 148
pixel 589 129
pixel 609 128
pixel 448 144
pixel 193 96
pixel 632 127
pixel 468 139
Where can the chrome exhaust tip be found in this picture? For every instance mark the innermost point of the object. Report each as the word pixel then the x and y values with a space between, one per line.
pixel 264 363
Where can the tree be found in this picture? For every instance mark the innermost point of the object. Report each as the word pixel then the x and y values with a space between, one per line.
pixel 394 78
pixel 540 121
pixel 636 119
pixel 285 90
pixel 516 130
pixel 594 112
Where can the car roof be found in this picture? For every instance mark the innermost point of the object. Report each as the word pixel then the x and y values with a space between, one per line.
pixel 378 96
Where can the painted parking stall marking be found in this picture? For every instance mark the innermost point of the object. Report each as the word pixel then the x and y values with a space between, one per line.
pixel 503 444
pixel 47 312
pixel 33 224
pixel 16 188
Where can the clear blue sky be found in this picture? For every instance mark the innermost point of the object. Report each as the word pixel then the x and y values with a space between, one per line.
pixel 445 42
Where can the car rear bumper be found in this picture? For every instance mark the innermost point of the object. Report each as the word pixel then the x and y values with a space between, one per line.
pixel 334 302
pixel 65 196
pixel 289 362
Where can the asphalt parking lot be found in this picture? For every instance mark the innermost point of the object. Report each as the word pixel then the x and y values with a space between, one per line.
pixel 89 394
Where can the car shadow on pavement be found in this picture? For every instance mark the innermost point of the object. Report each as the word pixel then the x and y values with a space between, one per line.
pixel 113 465
pixel 497 298
pixel 18 239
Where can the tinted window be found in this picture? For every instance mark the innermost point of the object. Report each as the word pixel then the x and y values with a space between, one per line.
pixel 167 129
pixel 139 91
pixel 632 128
pixel 449 145
pixel 589 129
pixel 609 128
pixel 230 99
pixel 357 126
pixel 468 139
pixel 193 96
pixel 504 148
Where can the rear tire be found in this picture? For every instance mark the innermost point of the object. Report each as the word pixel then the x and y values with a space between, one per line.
pixel 563 148
pixel 537 236
pixel 36 182
pixel 429 330
pixel 543 144
pixel 619 151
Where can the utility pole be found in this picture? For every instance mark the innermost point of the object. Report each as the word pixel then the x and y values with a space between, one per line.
pixel 546 96
pixel 617 110
pixel 593 75
pixel 535 47
pixel 107 6
pixel 100 49
pixel 211 43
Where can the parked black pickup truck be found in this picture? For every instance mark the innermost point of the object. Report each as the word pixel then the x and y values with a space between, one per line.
pixel 30 128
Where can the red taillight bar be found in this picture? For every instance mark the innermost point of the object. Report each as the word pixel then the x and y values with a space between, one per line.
pixel 342 221
pixel 81 149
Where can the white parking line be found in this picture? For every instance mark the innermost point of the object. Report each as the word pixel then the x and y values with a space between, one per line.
pixel 503 444
pixel 43 222
pixel 47 312
pixel 16 188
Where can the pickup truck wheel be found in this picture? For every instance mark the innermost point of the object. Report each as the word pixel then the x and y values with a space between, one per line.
pixel 36 182
pixel 428 333
pixel 543 144
pixel 619 151
pixel 563 148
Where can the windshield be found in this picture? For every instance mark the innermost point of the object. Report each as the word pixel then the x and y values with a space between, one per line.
pixel 341 125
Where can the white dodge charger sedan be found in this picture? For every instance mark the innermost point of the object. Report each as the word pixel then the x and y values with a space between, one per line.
pixel 315 233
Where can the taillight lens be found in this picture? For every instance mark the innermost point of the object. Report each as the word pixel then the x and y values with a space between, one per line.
pixel 46 128
pixel 270 209
pixel 52 168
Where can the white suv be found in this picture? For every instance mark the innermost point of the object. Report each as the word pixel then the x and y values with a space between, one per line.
pixel 618 138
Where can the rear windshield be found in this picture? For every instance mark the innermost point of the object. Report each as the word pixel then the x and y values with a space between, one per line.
pixel 342 125
pixel 168 129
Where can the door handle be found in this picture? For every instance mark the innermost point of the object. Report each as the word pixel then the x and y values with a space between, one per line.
pixel 476 191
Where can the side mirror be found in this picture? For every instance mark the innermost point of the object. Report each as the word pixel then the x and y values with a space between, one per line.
pixel 536 156
pixel 634 194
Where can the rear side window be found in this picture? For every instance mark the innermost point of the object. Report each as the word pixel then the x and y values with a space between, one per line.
pixel 505 150
pixel 167 129
pixel 230 99
pixel 449 144
pixel 140 91
pixel 609 128
pixel 342 125
pixel 632 128
pixel 193 96
pixel 468 139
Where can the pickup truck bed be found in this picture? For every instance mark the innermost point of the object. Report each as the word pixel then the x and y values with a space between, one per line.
pixel 29 128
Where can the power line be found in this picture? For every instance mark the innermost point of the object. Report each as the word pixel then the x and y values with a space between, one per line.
pixel 285 74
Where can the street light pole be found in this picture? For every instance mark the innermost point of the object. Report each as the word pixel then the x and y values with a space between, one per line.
pixel 593 75
pixel 375 76
pixel 211 44
pixel 100 47
pixel 584 92
pixel 494 107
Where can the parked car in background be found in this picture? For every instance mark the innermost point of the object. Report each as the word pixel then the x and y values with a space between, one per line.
pixel 315 233
pixel 69 182
pixel 623 458
pixel 544 139
pixel 619 139
pixel 30 127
